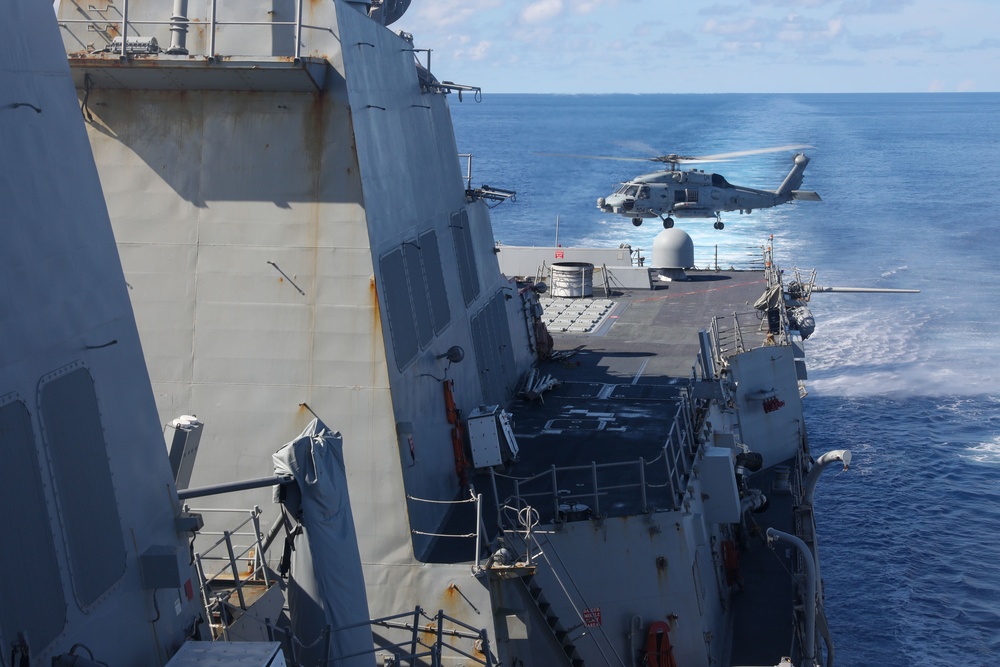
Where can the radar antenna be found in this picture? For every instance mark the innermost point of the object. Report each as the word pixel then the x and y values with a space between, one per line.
pixel 387 12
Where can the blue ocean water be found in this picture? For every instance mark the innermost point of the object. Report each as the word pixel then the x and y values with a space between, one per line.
pixel 910 383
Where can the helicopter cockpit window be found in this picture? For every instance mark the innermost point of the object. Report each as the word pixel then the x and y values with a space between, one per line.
pixel 632 190
pixel 644 192
pixel 621 189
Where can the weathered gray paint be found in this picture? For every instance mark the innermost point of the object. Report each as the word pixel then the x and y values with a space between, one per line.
pixel 84 489
pixel 68 308
pixel 251 350
pixel 32 593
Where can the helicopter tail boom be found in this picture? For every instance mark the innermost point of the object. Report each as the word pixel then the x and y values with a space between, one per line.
pixel 794 178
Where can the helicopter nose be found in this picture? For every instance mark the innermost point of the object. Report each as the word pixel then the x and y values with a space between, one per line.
pixel 615 204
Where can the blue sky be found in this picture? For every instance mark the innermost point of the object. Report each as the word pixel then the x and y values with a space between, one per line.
pixel 694 46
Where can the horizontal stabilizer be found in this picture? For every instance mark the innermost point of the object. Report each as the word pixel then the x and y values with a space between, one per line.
pixel 805 195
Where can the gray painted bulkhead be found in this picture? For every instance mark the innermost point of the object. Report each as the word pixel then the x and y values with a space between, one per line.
pixel 761 373
pixel 89 491
pixel 646 567
pixel 252 226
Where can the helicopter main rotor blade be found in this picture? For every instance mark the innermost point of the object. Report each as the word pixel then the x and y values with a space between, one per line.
pixel 598 157
pixel 686 159
pixel 752 151
pixel 667 159
pixel 673 158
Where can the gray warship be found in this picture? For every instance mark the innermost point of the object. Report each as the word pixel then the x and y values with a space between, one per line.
pixel 481 454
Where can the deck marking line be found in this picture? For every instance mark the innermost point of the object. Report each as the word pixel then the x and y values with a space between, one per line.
pixel 638 373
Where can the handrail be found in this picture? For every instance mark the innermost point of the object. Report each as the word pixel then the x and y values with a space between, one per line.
pixel 408 650
pixel 231 558
pixel 478 500
pixel 126 26
pixel 468 169
pixel 678 453
pixel 252 517
pixel 550 547
pixel 738 332
pixel 773 277
pixel 411 650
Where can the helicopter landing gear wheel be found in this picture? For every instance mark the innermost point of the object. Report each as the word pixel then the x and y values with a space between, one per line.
pixel 668 223
pixel 636 221
pixel 719 225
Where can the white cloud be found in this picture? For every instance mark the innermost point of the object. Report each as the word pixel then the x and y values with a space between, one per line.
pixel 477 52
pixel 794 3
pixel 443 13
pixel 587 6
pixel 861 7
pixel 799 30
pixel 736 27
pixel 742 47
pixel 542 10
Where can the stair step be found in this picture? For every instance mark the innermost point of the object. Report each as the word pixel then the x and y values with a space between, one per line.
pixel 560 635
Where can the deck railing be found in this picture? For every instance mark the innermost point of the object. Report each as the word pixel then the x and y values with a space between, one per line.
pixel 630 486
pixel 728 258
pixel 475 532
pixel 412 637
pixel 176 22
pixel 731 334
pixel 414 648
pixel 219 565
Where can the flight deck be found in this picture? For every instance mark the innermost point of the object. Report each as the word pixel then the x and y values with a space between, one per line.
pixel 617 393
pixel 598 443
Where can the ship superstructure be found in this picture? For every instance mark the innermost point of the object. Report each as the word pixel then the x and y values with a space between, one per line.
pixel 96 546
pixel 291 217
pixel 300 249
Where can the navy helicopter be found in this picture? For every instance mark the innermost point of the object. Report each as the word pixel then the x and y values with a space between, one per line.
pixel 691 193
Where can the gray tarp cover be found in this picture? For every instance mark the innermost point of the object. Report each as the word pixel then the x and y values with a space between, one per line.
pixel 770 300
pixel 326 586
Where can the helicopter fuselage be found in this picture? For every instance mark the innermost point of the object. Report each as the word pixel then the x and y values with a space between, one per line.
pixel 693 193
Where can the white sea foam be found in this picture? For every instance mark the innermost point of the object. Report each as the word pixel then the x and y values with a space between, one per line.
pixel 895 344
pixel 891 272
pixel 986 452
